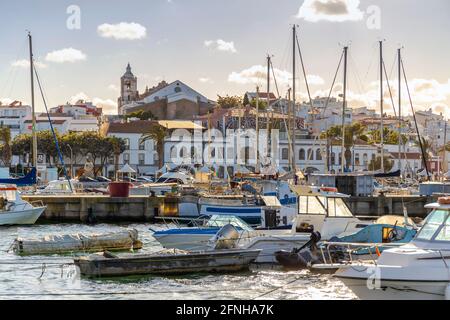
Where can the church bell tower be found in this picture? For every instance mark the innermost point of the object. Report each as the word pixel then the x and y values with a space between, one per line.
pixel 128 89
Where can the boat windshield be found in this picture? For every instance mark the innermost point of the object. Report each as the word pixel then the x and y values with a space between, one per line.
pixel 221 221
pixel 8 194
pixel 436 227
pixel 338 208
pixel 312 205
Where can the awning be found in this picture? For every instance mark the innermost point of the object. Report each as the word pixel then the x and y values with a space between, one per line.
pixel 127 169
pixel 271 201
pixel 171 124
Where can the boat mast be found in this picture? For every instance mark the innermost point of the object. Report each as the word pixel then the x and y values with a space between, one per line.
pixel 34 148
pixel 257 131
pixel 381 107
pixel 344 105
pixel 289 130
pixel 269 150
pixel 294 133
pixel 400 141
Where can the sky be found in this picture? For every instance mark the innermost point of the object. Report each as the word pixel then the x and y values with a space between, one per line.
pixel 219 47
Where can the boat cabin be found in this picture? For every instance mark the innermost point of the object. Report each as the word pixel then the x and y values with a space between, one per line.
pixel 323 209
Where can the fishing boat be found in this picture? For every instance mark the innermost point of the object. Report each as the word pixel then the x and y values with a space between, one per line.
pixel 16 211
pixel 169 263
pixel 418 270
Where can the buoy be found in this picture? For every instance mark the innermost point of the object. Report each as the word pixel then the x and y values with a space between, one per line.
pixel 447 292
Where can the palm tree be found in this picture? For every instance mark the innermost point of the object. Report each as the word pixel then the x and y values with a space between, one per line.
pixel 158 134
pixel 427 146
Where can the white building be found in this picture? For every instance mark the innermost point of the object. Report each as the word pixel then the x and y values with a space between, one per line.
pixel 13 116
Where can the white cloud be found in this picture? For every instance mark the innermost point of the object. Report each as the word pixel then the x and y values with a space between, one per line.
pixel 330 10
pixel 24 63
pixel 221 45
pixel 205 80
pixel 315 80
pixel 109 106
pixel 66 55
pixel 122 31
pixel 258 74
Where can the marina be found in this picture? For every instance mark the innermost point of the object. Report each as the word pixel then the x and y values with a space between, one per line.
pixel 189 157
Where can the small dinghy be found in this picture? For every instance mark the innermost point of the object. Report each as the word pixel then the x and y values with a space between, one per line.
pixel 64 244
pixel 109 265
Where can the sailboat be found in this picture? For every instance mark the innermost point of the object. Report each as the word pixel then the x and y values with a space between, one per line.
pixel 13 209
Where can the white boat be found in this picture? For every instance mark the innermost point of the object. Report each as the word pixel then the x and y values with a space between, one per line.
pixel 62 186
pixel 319 209
pixel 16 211
pixel 416 271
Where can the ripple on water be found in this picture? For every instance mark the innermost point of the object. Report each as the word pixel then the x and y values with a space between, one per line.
pixel 26 278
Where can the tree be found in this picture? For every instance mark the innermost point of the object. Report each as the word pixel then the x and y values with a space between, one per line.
pixel 141 115
pixel 246 102
pixel 45 141
pixel 375 165
pixel 5 148
pixel 262 105
pixel 229 102
pixel 158 134
pixel 389 136
pixel 427 146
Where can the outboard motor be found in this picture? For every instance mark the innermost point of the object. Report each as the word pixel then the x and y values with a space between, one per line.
pixel 302 257
pixel 226 238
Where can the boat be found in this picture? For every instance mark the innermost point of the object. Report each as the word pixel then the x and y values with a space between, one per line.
pixel 66 244
pixel 16 211
pixel 320 209
pixel 28 180
pixel 199 237
pixel 168 263
pixel 415 271
pixel 62 186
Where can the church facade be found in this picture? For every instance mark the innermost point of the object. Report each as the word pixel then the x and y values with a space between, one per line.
pixel 166 101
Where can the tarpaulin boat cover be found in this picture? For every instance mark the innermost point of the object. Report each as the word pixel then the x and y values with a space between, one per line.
pixel 64 244
pixel 388 175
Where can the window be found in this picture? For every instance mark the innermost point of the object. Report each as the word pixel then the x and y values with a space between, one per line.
pixel 127 144
pixel 284 154
pixel 365 159
pixel 142 145
pixel 111 160
pixel 357 161
pixel 437 222
pixel 333 158
pixel 318 155
pixel 338 208
pixel 177 89
pixel 141 159
pixel 301 154
pixel 311 205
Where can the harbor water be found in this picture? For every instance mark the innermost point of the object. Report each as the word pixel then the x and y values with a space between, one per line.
pixel 55 277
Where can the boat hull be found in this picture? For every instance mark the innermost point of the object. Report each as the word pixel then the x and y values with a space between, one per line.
pixel 182 241
pixel 396 290
pixel 25 217
pixel 195 262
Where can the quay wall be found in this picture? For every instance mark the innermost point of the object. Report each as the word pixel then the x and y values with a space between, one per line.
pixel 390 205
pixel 98 208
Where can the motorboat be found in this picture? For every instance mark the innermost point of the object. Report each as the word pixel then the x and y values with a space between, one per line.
pixel 16 211
pixel 418 270
pixel 319 209
pixel 62 186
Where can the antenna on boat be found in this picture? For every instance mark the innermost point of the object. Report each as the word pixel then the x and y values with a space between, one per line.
pixel 381 106
pixel 294 133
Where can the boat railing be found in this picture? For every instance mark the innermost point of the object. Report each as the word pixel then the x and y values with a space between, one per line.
pixel 352 247
pixel 179 222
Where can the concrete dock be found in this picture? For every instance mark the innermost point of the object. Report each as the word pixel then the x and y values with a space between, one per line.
pixel 100 208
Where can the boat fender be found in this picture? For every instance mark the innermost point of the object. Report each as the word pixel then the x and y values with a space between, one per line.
pixel 447 292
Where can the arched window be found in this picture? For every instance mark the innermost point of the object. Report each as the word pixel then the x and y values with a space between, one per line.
pixel 365 159
pixel 357 159
pixel 333 158
pixel 301 154
pixel 318 155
